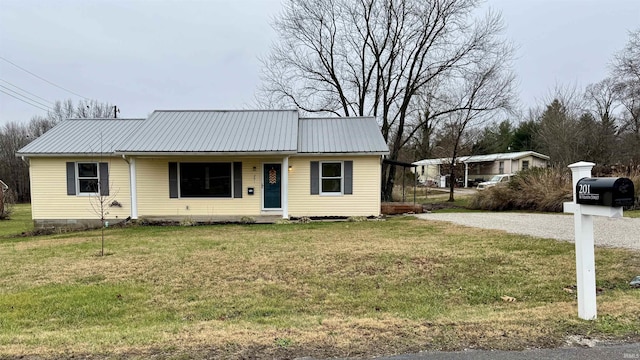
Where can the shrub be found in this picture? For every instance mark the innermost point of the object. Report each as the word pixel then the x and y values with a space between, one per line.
pixel 634 175
pixel 187 221
pixel 247 220
pixel 534 189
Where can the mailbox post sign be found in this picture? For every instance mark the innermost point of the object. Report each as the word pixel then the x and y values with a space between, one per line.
pixel 592 197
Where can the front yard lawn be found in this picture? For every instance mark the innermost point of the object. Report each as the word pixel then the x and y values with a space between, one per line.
pixel 18 222
pixel 292 290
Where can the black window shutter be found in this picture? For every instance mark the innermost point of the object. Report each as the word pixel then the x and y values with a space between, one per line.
pixel 348 177
pixel 315 178
pixel 237 180
pixel 71 178
pixel 104 179
pixel 173 180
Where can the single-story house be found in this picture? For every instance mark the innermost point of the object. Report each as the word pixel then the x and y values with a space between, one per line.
pixel 205 165
pixel 480 166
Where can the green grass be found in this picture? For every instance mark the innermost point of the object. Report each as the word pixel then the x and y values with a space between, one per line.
pixel 318 289
pixel 19 221
pixel 632 213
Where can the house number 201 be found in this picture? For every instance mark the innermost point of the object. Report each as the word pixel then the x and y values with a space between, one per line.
pixel 585 189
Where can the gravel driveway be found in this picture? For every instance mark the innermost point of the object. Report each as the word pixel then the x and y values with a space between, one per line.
pixel 624 232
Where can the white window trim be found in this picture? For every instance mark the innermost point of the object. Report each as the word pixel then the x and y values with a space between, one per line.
pixel 322 193
pixel 78 193
pixel 230 163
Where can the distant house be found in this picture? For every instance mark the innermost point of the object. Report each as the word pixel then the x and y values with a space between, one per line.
pixel 207 165
pixel 478 167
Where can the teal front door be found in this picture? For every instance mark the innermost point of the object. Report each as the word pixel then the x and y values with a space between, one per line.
pixel 272 174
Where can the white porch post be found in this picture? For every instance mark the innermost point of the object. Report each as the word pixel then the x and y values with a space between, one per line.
pixel 466 174
pixel 585 255
pixel 285 188
pixel 134 186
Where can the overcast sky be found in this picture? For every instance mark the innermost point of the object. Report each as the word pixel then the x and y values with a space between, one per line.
pixel 170 54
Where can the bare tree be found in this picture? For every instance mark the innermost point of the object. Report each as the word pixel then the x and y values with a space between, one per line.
pixel 13 170
pixel 478 93
pixel 626 71
pixel 558 132
pixel 626 64
pixel 600 128
pixel 92 109
pixel 14 136
pixel 376 58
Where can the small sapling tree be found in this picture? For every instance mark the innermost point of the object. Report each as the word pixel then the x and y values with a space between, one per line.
pixel 101 202
pixel 103 196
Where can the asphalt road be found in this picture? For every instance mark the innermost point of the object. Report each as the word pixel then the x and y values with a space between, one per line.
pixel 609 352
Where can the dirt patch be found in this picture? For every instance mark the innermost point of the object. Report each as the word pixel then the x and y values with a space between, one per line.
pixel 400 208
pixel 441 205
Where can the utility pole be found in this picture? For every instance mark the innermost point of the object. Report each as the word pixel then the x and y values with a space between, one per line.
pixel 115 111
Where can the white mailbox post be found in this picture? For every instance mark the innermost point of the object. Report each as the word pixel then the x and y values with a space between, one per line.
pixel 585 252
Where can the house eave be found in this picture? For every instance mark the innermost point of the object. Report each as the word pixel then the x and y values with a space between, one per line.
pixel 343 154
pixel 204 153
pixel 52 155
pixel 200 153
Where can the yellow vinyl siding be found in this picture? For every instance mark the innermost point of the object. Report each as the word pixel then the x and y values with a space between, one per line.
pixel 49 199
pixel 153 189
pixel 365 200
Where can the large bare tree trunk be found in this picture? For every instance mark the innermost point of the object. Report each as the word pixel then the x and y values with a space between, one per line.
pixel 385 58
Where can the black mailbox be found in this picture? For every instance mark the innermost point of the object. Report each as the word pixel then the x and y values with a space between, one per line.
pixel 605 191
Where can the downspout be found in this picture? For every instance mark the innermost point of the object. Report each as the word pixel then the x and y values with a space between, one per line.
pixel 285 188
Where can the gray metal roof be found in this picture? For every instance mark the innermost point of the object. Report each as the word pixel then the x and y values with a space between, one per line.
pixel 82 136
pixel 204 132
pixel 504 156
pixel 483 158
pixel 169 131
pixel 340 135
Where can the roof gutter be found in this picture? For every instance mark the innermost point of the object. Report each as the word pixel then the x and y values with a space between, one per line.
pixel 203 153
pixel 31 155
pixel 378 153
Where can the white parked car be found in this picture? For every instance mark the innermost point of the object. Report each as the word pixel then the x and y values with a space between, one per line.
pixel 495 180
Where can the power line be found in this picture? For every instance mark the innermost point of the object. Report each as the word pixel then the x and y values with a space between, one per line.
pixel 24 96
pixel 24 101
pixel 43 79
pixel 30 93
